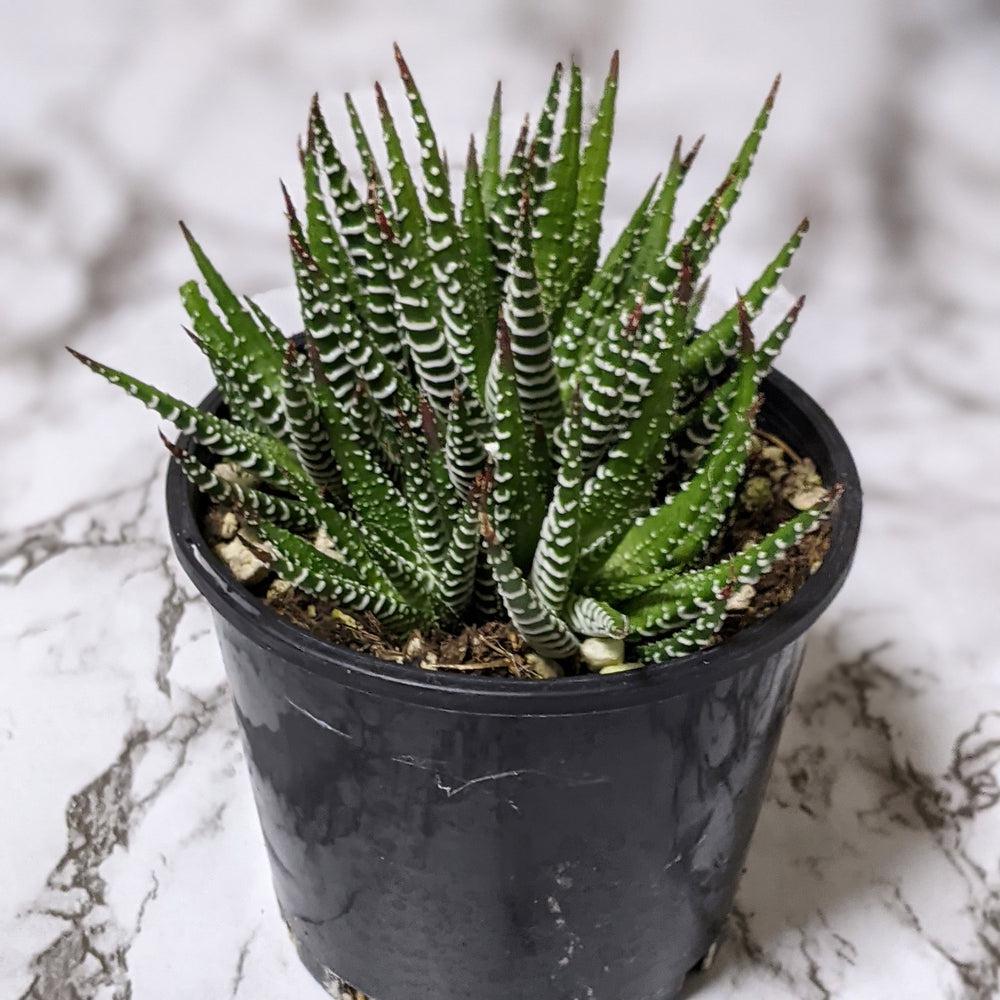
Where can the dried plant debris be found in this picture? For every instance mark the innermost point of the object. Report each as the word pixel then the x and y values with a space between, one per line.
pixel 491 648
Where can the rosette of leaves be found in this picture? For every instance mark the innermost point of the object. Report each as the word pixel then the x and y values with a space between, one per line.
pixel 485 416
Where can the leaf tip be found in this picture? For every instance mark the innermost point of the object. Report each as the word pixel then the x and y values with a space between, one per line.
pixel 773 92
pixel 175 450
pixel 692 153
pixel 747 347
pixel 503 341
pixel 404 69
pixel 82 358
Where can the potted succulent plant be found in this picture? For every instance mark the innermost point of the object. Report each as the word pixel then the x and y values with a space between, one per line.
pixel 492 452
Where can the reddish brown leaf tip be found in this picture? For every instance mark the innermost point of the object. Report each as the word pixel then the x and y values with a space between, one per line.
pixel 692 154
pixel 82 358
pixel 615 64
pixel 481 487
pixel 472 155
pixel 404 69
pixel 312 353
pixel 497 97
pixel 428 423
pixel 385 227
pixel 804 226
pixel 747 346
pixel 773 92
pixel 383 104
pixel 503 341
pixel 174 449
pixel 522 137
pixel 187 232
pixel 301 251
pixel 289 204
pixel 685 279
pixel 482 483
pixel 634 319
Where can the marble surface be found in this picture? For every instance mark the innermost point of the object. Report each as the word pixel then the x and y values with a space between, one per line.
pixel 132 864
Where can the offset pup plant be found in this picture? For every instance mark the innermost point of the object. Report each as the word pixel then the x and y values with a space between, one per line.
pixel 484 418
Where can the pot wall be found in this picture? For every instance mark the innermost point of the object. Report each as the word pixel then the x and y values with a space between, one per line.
pixel 445 837
pixel 420 854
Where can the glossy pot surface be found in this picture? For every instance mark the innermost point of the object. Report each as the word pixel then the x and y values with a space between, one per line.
pixel 441 837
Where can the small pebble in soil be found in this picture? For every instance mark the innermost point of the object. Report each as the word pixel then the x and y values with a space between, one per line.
pixel 542 668
pixel 620 668
pixel 599 653
pixel 242 563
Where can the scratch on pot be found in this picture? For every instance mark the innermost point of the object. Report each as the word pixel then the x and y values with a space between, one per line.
pixel 319 722
pixel 452 786
pixel 451 790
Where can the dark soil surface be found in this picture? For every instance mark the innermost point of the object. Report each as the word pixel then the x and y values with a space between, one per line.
pixel 777 485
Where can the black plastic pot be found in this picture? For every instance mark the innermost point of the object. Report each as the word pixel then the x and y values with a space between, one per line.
pixel 441 837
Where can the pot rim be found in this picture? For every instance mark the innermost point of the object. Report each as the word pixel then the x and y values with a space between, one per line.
pixel 785 404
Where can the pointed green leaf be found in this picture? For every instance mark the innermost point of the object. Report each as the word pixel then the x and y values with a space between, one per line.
pixel 544 631
pixel 554 253
pixel 491 154
pixel 264 457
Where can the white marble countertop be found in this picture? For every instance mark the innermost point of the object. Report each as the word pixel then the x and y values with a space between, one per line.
pixel 132 864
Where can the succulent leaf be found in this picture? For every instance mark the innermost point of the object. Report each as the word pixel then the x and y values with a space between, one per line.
pixel 593 179
pixel 305 567
pixel 266 458
pixel 586 320
pixel 458 572
pixel 491 153
pixel 677 531
pixel 555 558
pixel 482 419
pixel 469 338
pixel 554 254
pixel 695 635
pixel 288 513
pixel 544 631
pixel 484 292
pixel 705 356
pixel 309 434
pixel 589 616
pixel 519 493
pixel 247 338
pixel 505 213
pixel 528 327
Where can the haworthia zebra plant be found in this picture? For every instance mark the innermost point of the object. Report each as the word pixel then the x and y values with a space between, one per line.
pixel 483 415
